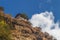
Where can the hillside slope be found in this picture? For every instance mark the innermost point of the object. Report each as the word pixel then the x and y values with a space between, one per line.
pixel 21 29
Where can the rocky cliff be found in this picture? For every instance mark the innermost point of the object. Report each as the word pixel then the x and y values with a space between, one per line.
pixel 21 29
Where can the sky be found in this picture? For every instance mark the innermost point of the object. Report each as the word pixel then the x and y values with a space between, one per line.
pixel 45 20
pixel 31 7
pixel 42 13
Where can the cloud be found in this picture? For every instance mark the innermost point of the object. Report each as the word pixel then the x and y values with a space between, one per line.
pixel 45 20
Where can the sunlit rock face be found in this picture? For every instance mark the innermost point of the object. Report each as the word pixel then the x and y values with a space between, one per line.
pixel 22 30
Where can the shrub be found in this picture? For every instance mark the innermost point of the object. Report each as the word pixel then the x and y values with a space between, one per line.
pixel 23 15
pixel 4 31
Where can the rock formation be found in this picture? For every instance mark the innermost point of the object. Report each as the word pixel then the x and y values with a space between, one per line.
pixel 22 30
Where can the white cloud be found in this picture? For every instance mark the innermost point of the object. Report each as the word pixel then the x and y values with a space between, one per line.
pixel 45 20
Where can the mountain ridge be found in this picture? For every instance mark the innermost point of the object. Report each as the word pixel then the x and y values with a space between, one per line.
pixel 21 29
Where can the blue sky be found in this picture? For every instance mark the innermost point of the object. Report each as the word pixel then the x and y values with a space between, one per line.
pixel 31 7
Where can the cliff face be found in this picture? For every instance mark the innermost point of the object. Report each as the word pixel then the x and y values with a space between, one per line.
pixel 21 29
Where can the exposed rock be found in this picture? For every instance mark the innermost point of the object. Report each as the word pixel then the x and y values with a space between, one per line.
pixel 22 30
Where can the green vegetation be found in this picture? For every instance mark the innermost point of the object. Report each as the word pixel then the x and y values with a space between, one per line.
pixel 4 30
pixel 23 15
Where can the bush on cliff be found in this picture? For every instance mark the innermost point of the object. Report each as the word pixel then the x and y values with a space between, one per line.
pixel 4 31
